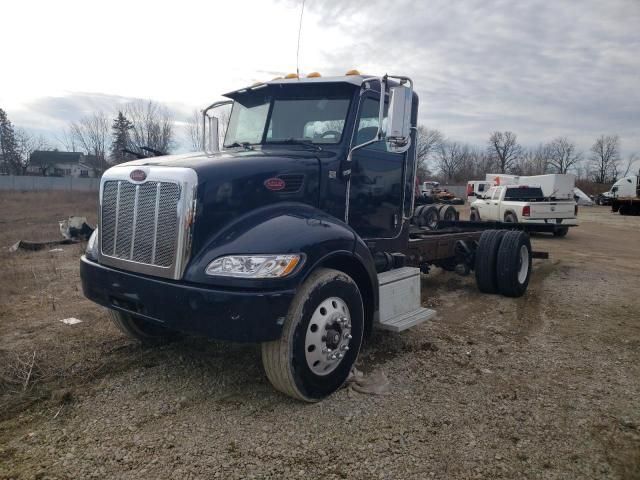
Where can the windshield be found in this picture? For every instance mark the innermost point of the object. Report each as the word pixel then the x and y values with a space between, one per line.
pixel 263 118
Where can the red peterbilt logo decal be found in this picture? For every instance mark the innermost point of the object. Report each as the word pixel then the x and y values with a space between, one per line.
pixel 274 184
pixel 138 176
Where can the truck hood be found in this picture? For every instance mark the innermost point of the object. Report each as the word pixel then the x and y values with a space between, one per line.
pixel 231 184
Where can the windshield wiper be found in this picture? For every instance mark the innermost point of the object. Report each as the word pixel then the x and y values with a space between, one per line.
pixel 297 141
pixel 245 145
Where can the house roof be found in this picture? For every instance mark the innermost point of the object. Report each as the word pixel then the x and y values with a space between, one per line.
pixel 42 157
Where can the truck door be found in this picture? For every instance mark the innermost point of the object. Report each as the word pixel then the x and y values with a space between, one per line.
pixel 494 204
pixel 483 205
pixel 375 196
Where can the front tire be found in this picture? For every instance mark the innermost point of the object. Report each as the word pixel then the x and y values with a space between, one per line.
pixel 143 331
pixel 320 340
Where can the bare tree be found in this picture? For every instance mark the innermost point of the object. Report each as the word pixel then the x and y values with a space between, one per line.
pixel 563 154
pixel 451 158
pixel 504 149
pixel 91 135
pixel 633 158
pixel 67 140
pixel 152 126
pixel 27 144
pixel 428 142
pixel 605 155
pixel 533 161
pixel 194 131
pixel 477 165
pixel 194 127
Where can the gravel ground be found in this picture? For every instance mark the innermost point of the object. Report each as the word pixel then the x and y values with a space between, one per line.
pixel 544 386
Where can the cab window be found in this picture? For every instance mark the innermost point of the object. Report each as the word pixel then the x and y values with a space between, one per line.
pixel 368 124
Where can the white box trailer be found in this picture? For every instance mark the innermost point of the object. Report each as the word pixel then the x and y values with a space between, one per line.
pixel 557 186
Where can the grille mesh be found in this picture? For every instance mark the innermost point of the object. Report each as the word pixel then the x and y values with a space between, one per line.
pixel 140 222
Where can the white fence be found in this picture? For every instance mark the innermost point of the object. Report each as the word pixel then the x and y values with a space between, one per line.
pixel 26 183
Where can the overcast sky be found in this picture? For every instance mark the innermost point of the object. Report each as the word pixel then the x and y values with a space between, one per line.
pixel 540 68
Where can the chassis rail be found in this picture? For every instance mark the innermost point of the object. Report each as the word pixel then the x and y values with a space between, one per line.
pixel 527 227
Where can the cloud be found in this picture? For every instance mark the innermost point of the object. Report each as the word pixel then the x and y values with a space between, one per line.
pixel 539 68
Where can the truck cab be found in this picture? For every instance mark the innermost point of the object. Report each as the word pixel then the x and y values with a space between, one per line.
pixel 313 182
pixel 297 231
pixel 625 195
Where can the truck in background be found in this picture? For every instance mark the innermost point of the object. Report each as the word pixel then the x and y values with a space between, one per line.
pixel 525 204
pixel 537 199
pixel 625 195
pixel 477 188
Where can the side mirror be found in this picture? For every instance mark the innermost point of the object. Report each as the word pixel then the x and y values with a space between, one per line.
pixel 214 142
pixel 398 132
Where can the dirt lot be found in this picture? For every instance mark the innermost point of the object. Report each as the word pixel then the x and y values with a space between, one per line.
pixel 544 386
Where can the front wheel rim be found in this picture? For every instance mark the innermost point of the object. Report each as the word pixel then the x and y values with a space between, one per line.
pixel 328 336
pixel 523 260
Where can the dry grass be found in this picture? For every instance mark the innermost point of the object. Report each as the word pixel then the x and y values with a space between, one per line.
pixel 37 290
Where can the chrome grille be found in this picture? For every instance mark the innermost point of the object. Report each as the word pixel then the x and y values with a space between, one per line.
pixel 140 222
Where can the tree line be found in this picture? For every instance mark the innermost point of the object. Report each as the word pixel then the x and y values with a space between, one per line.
pixel 147 128
pixel 139 128
pixel 451 161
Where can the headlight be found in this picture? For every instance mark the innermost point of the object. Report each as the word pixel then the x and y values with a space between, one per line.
pixel 254 266
pixel 92 246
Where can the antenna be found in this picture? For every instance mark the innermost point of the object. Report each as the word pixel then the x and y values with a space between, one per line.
pixel 298 49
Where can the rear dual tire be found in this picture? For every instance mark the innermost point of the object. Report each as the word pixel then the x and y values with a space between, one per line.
pixel 513 268
pixel 503 262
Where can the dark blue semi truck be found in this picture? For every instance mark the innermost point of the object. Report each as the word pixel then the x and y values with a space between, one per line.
pixel 297 232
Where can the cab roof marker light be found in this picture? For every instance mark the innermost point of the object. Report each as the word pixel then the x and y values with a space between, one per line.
pixel 314 75
pixel 352 72
pixel 290 76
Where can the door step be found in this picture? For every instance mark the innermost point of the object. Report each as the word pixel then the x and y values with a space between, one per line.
pixel 407 320
pixel 400 305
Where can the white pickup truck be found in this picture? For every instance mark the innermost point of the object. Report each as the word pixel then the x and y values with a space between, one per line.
pixel 524 204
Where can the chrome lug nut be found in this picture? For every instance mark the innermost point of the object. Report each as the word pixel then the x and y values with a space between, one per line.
pixel 344 348
pixel 340 355
pixel 347 336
